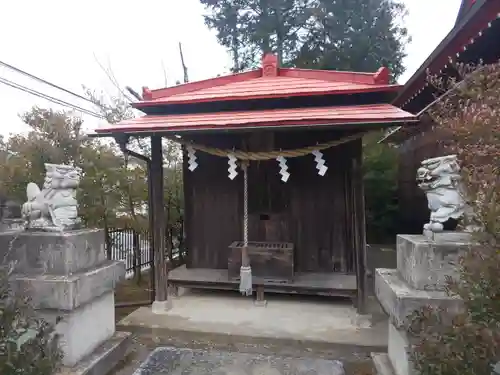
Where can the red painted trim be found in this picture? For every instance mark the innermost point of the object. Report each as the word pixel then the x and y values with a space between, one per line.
pixel 270 66
pixel 487 13
pixel 382 76
pixel 329 75
pixel 146 93
pixel 167 101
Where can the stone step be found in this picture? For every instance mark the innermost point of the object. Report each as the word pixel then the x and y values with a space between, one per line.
pixel 171 360
pixel 287 347
pixel 104 358
pixel 399 299
pixel 382 364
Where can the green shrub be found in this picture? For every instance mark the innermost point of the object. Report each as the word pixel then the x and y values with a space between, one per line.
pixel 380 163
pixel 469 343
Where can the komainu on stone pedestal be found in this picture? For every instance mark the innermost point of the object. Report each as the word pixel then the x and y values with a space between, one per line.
pixel 54 208
pixel 440 179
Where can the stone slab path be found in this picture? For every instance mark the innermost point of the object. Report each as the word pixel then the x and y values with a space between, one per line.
pixel 176 361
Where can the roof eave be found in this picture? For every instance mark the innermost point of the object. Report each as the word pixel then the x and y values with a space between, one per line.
pixel 445 43
pixel 283 125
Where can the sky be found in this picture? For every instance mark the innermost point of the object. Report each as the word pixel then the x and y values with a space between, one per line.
pixel 65 42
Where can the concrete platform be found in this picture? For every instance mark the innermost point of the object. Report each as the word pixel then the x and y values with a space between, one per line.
pixel 170 360
pixel 284 318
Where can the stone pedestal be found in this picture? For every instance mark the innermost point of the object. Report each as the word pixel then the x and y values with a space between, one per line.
pixel 419 280
pixel 67 275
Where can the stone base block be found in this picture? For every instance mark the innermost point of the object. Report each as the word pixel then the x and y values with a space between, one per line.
pixel 260 303
pixel 424 264
pixel 69 292
pixel 82 330
pixel 104 358
pixel 57 253
pixel 161 307
pixel 363 321
pixel 382 364
pixel 397 351
pixel 399 300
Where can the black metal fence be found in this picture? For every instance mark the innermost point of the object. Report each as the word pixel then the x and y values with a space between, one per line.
pixel 133 247
pixel 130 246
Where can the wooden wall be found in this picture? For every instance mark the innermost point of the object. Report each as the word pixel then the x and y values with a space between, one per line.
pixel 311 211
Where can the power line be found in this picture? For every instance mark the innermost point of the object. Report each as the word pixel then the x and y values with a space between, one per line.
pixel 47 97
pixel 111 77
pixel 45 82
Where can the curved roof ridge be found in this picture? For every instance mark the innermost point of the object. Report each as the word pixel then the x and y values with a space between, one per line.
pixel 269 81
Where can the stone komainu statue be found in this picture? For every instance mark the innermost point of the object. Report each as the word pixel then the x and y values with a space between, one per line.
pixel 440 179
pixel 55 206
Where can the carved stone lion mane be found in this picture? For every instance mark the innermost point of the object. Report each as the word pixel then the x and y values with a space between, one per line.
pixel 55 206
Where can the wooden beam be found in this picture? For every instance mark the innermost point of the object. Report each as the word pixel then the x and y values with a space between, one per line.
pixel 160 258
pixel 358 201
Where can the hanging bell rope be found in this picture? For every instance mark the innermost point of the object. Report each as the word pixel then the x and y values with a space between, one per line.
pixel 246 269
pixel 269 155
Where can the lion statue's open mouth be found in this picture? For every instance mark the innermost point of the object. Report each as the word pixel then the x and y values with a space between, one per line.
pixel 424 176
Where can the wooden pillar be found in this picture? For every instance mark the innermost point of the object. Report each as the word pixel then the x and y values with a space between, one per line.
pixel 160 259
pixel 151 249
pixel 359 230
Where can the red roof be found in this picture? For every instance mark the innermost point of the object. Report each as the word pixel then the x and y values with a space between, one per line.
pixel 270 81
pixel 299 117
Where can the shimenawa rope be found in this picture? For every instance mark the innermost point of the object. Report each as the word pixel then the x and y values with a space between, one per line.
pixel 268 155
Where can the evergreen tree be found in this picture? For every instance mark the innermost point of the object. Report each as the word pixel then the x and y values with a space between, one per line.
pixel 355 35
pixel 249 28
